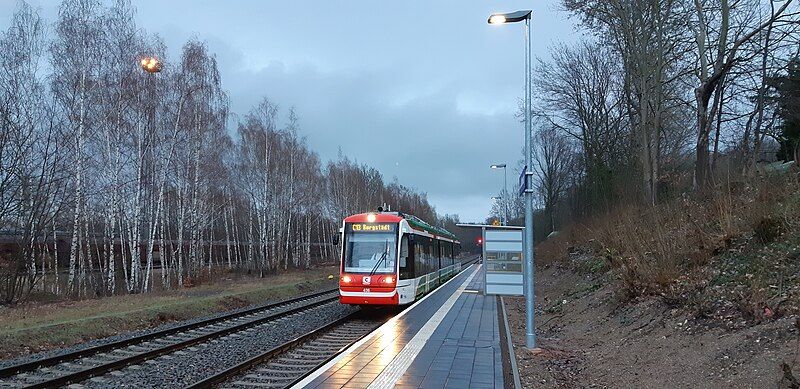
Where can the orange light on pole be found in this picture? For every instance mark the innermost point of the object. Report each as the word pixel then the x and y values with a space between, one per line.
pixel 151 64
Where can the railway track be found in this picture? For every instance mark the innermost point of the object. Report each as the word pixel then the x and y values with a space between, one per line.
pixel 289 363
pixel 83 364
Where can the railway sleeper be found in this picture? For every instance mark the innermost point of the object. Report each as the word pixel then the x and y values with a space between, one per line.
pixel 287 366
pixel 259 384
pixel 69 366
pixel 278 372
pixel 297 359
pixel 308 353
pixel 309 360
pixel 327 349
pixel 94 361
pixel 277 376
pixel 332 342
pixel 12 384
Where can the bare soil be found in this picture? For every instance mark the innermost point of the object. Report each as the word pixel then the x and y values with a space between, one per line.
pixel 591 338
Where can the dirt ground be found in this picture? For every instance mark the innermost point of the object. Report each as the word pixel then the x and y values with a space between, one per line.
pixel 590 339
pixel 35 327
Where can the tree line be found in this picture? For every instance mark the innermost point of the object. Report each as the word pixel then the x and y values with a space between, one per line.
pixel 660 98
pixel 114 180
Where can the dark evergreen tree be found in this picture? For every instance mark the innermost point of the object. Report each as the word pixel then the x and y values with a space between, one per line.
pixel 788 87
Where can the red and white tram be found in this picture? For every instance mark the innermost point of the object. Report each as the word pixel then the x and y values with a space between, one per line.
pixel 391 258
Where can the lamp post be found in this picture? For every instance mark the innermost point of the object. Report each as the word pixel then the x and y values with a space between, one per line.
pixel 505 191
pixel 514 17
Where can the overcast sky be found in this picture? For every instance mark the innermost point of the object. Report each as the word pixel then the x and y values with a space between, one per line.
pixel 424 91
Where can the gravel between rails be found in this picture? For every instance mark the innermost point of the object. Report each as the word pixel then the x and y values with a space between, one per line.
pixel 190 365
pixel 308 355
pixel 126 335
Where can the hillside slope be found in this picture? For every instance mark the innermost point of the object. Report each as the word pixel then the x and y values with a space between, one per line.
pixel 589 339
pixel 696 292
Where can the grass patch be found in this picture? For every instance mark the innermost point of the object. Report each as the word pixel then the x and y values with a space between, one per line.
pixel 34 328
pixel 764 281
pixel 590 264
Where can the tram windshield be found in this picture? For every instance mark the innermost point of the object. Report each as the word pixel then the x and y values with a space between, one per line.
pixel 370 252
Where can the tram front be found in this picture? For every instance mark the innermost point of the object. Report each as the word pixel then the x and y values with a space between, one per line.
pixel 368 270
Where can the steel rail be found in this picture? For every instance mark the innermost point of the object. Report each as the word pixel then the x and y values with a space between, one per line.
pixel 146 355
pixel 11 371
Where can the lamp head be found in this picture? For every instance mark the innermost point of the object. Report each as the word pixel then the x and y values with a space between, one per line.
pixel 151 64
pixel 497 19
pixel 509 17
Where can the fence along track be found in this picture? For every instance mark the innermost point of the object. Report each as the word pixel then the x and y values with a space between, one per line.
pixel 83 364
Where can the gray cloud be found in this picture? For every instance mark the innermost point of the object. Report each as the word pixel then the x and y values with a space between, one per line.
pixel 423 91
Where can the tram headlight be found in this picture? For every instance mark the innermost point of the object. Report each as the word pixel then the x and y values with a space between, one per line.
pixel 388 280
pixel 347 279
pixel 371 218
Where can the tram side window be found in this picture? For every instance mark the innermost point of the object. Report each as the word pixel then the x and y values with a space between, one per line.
pixel 443 247
pixel 426 263
pixel 434 258
pixel 406 265
pixel 447 254
pixel 419 253
pixel 429 256
pixel 450 253
pixel 443 256
pixel 423 259
pixel 441 253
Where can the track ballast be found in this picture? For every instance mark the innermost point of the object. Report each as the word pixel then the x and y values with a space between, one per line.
pixel 80 365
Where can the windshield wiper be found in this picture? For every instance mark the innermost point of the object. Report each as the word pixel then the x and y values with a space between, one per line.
pixel 382 258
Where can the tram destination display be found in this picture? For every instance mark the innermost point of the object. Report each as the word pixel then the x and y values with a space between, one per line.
pixel 371 227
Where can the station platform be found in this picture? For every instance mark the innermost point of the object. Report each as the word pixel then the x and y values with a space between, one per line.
pixel 449 339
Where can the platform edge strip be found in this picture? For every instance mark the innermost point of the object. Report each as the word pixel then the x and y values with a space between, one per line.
pixel 392 372
pixel 510 347
pixel 311 377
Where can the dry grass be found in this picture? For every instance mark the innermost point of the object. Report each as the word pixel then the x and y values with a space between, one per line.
pixel 666 249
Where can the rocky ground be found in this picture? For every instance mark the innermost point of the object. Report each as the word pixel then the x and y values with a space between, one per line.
pixel 589 337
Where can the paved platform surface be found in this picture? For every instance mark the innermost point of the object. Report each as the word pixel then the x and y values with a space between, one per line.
pixel 449 340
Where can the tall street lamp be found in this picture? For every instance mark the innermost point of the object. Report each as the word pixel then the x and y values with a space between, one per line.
pixel 514 17
pixel 505 191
